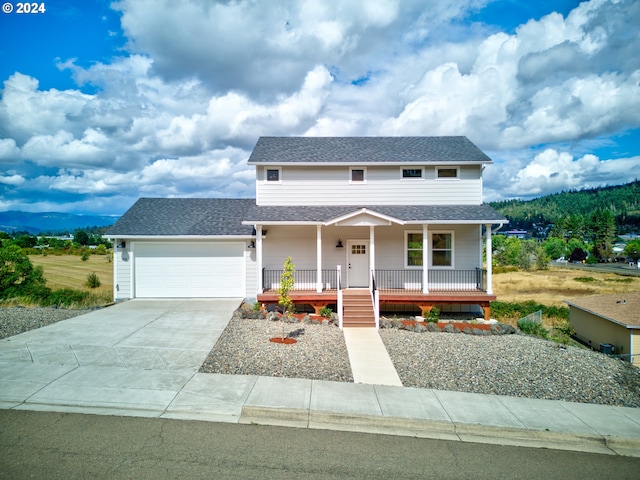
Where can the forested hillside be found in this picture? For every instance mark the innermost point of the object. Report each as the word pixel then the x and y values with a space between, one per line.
pixel 622 201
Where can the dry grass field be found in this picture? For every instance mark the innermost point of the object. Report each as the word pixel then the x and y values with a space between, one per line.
pixel 69 271
pixel 551 287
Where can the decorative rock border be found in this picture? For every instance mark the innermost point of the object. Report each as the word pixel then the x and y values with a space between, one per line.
pixel 469 328
pixel 410 324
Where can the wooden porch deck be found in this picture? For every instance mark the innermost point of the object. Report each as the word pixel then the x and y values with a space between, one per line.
pixel 389 297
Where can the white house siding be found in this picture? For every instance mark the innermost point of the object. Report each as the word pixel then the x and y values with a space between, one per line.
pixel 383 186
pixel 123 270
pixel 251 281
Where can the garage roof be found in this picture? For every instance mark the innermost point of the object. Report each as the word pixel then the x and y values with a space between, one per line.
pixel 184 216
pixel 621 308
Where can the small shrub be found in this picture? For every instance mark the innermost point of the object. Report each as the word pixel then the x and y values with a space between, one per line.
pixel 92 280
pixel 67 297
pixel 434 315
pixel 533 328
pixel 257 306
pixel 326 312
pixel 85 256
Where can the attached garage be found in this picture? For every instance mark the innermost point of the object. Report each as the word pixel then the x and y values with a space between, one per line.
pixel 189 269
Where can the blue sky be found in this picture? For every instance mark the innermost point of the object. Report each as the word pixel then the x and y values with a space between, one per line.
pixel 102 102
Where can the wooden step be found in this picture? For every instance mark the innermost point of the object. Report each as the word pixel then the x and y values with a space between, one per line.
pixel 357 309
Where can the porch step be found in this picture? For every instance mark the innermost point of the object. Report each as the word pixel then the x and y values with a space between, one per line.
pixel 357 309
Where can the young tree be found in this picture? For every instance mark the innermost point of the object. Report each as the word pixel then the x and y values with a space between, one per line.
pixel 286 284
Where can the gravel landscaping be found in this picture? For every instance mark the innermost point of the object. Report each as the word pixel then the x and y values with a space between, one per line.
pixel 15 320
pixel 515 365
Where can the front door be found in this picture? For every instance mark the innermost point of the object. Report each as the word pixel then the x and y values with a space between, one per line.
pixel 358 263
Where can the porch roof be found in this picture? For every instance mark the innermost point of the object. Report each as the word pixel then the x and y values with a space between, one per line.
pixel 400 214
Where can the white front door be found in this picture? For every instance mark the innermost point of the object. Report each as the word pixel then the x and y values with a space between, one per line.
pixel 358 263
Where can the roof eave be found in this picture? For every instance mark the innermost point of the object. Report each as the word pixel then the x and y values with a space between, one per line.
pixel 370 164
pixel 124 236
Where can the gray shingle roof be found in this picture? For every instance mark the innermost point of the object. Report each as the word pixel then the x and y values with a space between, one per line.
pixel 184 216
pixel 406 213
pixel 279 150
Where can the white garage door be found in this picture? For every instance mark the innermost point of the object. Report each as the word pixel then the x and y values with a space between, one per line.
pixel 188 269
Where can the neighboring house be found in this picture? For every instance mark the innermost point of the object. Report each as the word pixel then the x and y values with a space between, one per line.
pixel 609 320
pixel 399 220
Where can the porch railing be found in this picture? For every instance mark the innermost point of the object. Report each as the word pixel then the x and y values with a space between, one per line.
pixel 474 280
pixel 438 280
pixel 303 279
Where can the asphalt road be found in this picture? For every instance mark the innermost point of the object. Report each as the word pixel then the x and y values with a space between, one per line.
pixel 617 268
pixel 45 445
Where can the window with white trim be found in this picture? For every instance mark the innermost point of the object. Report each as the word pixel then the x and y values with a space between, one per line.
pixel 413 249
pixel 412 172
pixel 357 175
pixel 447 172
pixel 442 249
pixel 272 174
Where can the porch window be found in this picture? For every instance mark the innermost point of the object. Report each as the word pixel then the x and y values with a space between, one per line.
pixel 442 249
pixel 414 249
pixel 357 175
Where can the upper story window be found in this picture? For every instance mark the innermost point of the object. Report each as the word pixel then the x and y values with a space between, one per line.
pixel 272 174
pixel 447 172
pixel 412 173
pixel 357 175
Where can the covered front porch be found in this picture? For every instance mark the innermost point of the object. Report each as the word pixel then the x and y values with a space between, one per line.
pixel 412 255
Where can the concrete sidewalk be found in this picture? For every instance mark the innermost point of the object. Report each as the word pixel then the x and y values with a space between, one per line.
pixel 141 358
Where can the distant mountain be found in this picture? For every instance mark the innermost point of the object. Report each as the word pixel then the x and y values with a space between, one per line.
pixel 623 201
pixel 50 222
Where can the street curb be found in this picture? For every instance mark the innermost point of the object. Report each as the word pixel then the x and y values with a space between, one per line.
pixel 441 430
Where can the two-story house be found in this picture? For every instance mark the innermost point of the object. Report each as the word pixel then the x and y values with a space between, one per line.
pixel 370 223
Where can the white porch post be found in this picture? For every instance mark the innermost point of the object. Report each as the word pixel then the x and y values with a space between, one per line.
pixel 259 286
pixel 488 257
pixel 425 258
pixel 319 258
pixel 372 253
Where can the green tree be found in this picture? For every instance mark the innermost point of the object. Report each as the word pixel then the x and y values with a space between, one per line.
pixel 633 250
pixel 510 251
pixel 18 276
pixel 542 257
pixel 81 237
pixel 26 241
pixel 602 232
pixel 555 247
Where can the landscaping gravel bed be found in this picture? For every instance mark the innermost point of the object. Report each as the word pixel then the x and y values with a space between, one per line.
pixel 244 348
pixel 515 365
pixel 15 320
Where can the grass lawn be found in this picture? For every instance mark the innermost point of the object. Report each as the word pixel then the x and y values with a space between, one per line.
pixel 69 271
pixel 551 287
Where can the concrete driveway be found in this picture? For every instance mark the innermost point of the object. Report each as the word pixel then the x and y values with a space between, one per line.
pixel 139 353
